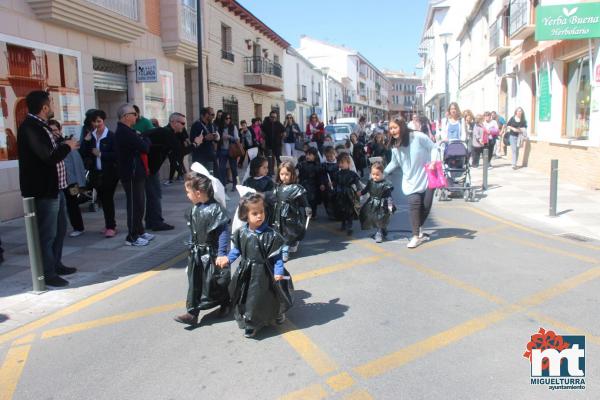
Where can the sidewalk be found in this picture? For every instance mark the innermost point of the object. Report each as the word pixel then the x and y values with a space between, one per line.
pixel 101 262
pixel 522 196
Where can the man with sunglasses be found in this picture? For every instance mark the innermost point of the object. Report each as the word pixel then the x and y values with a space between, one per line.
pixel 273 132
pixel 204 137
pixel 163 142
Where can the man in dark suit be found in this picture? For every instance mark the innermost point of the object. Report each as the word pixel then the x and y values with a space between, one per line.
pixel 163 142
pixel 42 175
pixel 204 137
pixel 132 158
pixel 273 131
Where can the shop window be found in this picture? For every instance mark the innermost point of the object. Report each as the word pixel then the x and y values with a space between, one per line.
pixel 230 106
pixel 579 92
pixel 158 98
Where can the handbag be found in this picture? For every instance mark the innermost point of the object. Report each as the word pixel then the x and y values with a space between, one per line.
pixel 435 177
pixel 236 150
pixel 506 139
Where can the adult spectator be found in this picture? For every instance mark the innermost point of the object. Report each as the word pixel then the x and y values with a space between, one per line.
pixel 362 130
pixel 176 164
pixel 315 131
pixel 100 159
pixel 42 175
pixel 162 142
pixel 500 148
pixel 469 124
pixel 415 123
pixel 142 124
pixel 516 127
pixel 492 131
pixel 454 128
pixel 75 179
pixel 427 128
pixel 411 150
pixel 273 132
pixel 292 132
pixel 87 125
pixel 132 150
pixel 202 136
pixel 258 134
pixel 229 136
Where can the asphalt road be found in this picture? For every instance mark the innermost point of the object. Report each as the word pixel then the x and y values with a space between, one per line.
pixel 449 320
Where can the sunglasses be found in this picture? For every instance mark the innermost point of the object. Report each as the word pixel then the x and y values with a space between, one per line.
pixel 181 122
pixel 227 118
pixel 132 113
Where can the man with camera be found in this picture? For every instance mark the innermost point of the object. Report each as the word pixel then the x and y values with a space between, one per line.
pixel 42 175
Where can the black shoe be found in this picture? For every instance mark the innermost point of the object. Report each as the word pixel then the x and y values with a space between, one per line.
pixel 343 227
pixel 62 270
pixel 249 333
pixel 280 320
pixel 349 231
pixel 163 227
pixel 224 310
pixel 187 318
pixel 57 281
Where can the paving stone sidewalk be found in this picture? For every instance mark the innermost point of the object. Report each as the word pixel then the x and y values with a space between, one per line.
pixel 522 196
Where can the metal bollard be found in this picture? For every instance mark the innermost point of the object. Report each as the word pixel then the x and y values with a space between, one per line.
pixel 553 187
pixel 486 164
pixel 33 245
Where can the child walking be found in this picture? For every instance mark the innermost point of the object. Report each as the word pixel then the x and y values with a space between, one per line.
pixel 208 222
pixel 309 175
pixel 345 190
pixel 291 209
pixel 259 179
pixel 378 209
pixel 358 154
pixel 330 168
pixel 261 287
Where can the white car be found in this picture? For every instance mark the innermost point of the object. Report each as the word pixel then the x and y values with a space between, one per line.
pixel 340 133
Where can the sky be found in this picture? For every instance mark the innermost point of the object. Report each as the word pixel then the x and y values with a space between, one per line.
pixel 386 32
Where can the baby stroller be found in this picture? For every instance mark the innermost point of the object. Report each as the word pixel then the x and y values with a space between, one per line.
pixel 457 171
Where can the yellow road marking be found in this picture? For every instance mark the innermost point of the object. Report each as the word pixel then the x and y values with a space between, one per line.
pixel 12 369
pixel 359 395
pixel 313 392
pixel 527 229
pixel 24 340
pixel 443 339
pixel 550 249
pixel 110 320
pixel 308 350
pixel 73 308
pixel 340 382
pixel 335 268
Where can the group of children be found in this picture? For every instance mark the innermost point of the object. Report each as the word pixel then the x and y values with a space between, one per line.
pixel 275 218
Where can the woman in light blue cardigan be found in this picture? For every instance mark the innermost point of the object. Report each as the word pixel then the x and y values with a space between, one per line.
pixel 411 150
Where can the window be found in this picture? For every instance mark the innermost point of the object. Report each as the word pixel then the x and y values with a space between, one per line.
pixel 226 51
pixel 275 59
pixel 230 106
pixel 579 93
pixel 158 98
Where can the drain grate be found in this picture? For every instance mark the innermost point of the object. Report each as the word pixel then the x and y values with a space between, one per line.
pixel 576 237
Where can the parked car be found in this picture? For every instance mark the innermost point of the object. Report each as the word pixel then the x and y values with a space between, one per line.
pixel 353 122
pixel 339 132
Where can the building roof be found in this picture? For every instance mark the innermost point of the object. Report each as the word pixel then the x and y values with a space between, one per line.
pixel 249 18
pixel 434 5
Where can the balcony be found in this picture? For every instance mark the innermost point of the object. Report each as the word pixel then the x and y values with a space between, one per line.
pixel 116 20
pixel 263 74
pixel 179 30
pixel 225 55
pixel 521 24
pixel 499 42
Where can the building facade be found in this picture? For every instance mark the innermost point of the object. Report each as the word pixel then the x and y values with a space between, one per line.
pixel 302 87
pixel 404 99
pixel 365 89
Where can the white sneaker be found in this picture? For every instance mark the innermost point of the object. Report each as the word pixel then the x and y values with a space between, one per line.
pixel 414 242
pixel 147 236
pixel 137 242
pixel 75 233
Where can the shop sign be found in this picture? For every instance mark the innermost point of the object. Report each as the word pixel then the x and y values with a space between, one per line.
pixel 420 89
pixel 146 70
pixel 568 21
pixel 348 109
pixel 545 99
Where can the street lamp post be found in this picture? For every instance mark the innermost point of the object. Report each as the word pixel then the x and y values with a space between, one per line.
pixel 200 72
pixel 445 37
pixel 325 71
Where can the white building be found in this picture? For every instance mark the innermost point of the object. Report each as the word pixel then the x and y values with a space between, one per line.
pixel 355 72
pixel 302 87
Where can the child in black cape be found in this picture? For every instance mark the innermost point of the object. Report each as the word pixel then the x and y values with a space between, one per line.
pixel 208 222
pixel 345 193
pixel 378 209
pixel 291 209
pixel 309 175
pixel 358 155
pixel 330 168
pixel 259 178
pixel 261 288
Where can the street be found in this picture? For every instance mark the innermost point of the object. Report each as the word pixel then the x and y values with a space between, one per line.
pixel 450 319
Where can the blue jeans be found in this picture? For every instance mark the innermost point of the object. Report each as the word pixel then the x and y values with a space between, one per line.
pixel 153 202
pixel 514 148
pixel 224 159
pixel 52 224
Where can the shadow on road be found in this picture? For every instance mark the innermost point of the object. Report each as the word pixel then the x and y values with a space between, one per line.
pixel 4 317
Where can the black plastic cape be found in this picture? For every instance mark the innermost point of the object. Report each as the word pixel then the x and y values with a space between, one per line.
pixel 256 298
pixel 208 283
pixel 345 204
pixel 309 176
pixel 289 215
pixel 375 213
